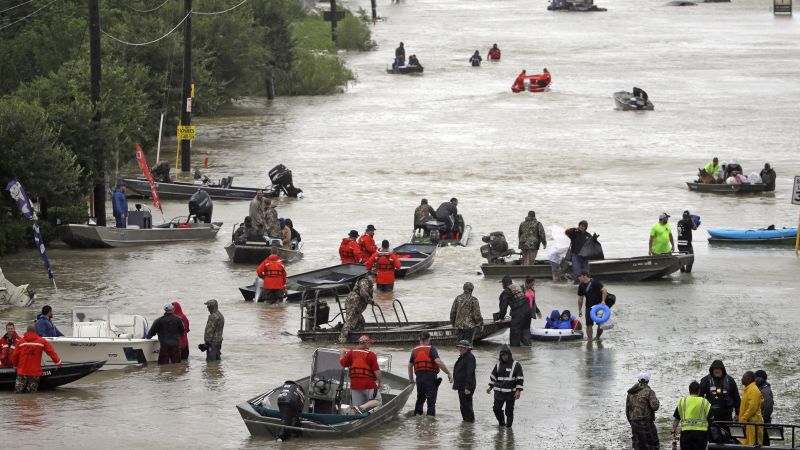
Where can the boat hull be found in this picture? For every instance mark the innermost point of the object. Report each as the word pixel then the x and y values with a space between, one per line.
pixel 140 188
pixel 255 253
pixel 733 234
pixel 555 335
pixel 622 100
pixel 90 236
pixel 723 188
pixel 344 275
pixel 404 332
pixel 405 70
pixel 414 258
pixel 52 376
pixel 116 352
pixel 642 268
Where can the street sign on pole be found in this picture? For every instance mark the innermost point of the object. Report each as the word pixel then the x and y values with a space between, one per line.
pixel 186 133
pixel 796 191
pixel 326 16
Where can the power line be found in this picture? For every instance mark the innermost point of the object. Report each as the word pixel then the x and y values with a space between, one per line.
pixel 139 44
pixel 17 6
pixel 29 15
pixel 219 12
pixel 145 10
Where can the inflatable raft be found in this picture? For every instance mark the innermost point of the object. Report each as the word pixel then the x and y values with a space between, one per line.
pixel 752 235
pixel 555 334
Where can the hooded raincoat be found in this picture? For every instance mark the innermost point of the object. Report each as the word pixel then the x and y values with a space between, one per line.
pixel 722 393
pixel 750 411
pixel 184 338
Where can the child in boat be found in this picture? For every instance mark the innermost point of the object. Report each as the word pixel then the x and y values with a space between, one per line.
pixel 553 319
pixel 567 322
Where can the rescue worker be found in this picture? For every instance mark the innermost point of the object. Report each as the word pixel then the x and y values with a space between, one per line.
pixel 273 272
pixel 577 237
pixel 519 82
pixel 494 52
pixel 365 375
pixel 27 358
pixel 750 411
pixel 693 413
pixel 169 329
pixel 8 343
pixel 661 241
pixel 506 380
pixel 768 177
pixel 544 79
pixel 769 400
pixel 272 224
pixel 641 405
pixel 721 391
pixel 685 227
pixel 513 298
pixel 464 379
pixel 422 215
pixel 713 167
pixel 446 213
pixel 257 212
pixel 400 56
pixel 426 364
pixel 367 243
pixel 531 236
pixel 44 323
pixel 349 250
pixel 465 314
pixel 595 294
pixel 476 59
pixel 356 303
pixel 119 205
pixel 212 336
pixel 385 262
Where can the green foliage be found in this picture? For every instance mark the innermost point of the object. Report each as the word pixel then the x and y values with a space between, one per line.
pixel 353 34
pixel 18 234
pixel 314 74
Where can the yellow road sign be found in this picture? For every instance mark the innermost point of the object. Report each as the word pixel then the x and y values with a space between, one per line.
pixel 186 133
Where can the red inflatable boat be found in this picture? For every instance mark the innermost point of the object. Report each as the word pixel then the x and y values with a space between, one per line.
pixel 531 83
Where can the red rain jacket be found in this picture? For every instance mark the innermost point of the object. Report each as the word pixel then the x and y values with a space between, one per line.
pixel 273 272
pixel 368 247
pixel 385 265
pixel 7 350
pixel 349 251
pixel 183 340
pixel 27 357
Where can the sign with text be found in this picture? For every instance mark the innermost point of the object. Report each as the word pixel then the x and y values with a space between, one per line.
pixel 186 133
pixel 326 15
pixel 796 191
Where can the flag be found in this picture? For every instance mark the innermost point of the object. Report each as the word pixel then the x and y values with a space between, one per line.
pixel 26 209
pixel 146 171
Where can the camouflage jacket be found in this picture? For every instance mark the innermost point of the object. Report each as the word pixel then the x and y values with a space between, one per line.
pixel 466 312
pixel 214 326
pixel 422 214
pixel 272 226
pixel 641 403
pixel 531 234
pixel 257 208
pixel 359 298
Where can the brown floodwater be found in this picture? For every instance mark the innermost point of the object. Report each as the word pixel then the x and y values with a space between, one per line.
pixel 724 79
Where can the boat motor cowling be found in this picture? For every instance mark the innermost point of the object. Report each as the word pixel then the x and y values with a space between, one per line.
pixel 496 247
pixel 281 178
pixel 201 206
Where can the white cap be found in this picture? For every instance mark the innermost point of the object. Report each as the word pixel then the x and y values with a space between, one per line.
pixel 643 376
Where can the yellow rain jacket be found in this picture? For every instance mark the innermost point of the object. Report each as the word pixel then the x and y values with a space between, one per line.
pixel 750 411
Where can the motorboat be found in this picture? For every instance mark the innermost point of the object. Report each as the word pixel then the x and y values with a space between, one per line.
pixel 724 188
pixel 532 83
pixel 754 236
pixel 344 276
pixel 627 102
pixel 574 5
pixel 638 268
pixel 21 296
pixel 97 335
pixel 682 3
pixel 327 412
pixel 405 70
pixel 414 258
pixel 255 251
pixel 280 177
pixel 52 376
pixel 435 232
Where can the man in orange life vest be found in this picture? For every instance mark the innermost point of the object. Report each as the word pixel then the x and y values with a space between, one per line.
pixel 274 274
pixel 349 250
pixel 27 358
pixel 425 364
pixel 365 375
pixel 367 243
pixel 8 343
pixel 385 263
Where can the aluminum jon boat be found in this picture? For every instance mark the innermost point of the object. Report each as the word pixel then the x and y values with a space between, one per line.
pixel 326 412
pixel 343 275
pixel 639 268
pixel 414 258
pixel 52 376
pixel 92 236
pixel 723 188
pixel 255 252
pixel 627 102
pixel 435 233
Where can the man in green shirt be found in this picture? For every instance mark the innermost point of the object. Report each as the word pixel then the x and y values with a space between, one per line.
pixel 712 167
pixel 661 241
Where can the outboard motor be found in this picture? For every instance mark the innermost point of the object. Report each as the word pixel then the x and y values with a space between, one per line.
pixel 201 206
pixel 281 179
pixel 291 401
pixel 496 247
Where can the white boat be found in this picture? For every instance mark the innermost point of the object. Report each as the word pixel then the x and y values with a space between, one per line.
pixel 97 335
pixel 12 295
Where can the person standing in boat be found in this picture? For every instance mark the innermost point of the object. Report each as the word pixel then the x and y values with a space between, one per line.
pixel 212 336
pixel 8 343
pixel 273 272
pixel 531 236
pixel 349 250
pixel 355 305
pixel 272 224
pixel 465 314
pixel 506 380
pixel 169 329
pixel 385 263
pixel 422 215
pixel 44 323
pixel 400 56
pixel 367 243
pixel 447 213
pixel 464 379
pixel 119 205
pixel 685 227
pixel 661 241
pixel 768 177
pixel 365 375
pixel 595 294
pixel 184 338
pixel 257 212
pixel 513 298
pixel 641 405
pixel 426 364
pixel 577 237
pixel 476 59
pixel 27 358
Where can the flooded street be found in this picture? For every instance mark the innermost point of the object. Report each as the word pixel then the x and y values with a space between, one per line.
pixel 724 81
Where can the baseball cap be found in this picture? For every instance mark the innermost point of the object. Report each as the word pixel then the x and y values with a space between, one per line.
pixel 212 302
pixel 169 307
pixel 424 336
pixel 365 338
pixel 643 376
pixel 464 343
pixel 663 216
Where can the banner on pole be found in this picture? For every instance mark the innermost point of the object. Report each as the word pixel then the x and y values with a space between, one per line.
pixel 26 209
pixel 146 172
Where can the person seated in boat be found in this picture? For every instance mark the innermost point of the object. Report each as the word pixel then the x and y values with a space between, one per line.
pixel 568 322
pixel 200 178
pixel 246 232
pixel 494 52
pixel 553 319
pixel 286 234
pixel 422 215
pixel 296 238
pixel 519 83
pixel 160 172
pixel 475 59
pixel 768 177
pixel 640 95
pixel 365 376
pixel 544 79
pixel 413 61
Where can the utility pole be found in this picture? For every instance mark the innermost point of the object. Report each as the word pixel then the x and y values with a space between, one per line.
pixel 186 101
pixel 99 191
pixel 374 11
pixel 333 20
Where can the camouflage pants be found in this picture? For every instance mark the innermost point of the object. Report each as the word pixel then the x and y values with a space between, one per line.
pixel 354 322
pixel 26 383
pixel 644 435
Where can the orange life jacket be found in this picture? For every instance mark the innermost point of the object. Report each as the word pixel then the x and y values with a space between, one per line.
pixel 367 245
pixel 7 349
pixel 273 272
pixel 359 367
pixel 385 264
pixel 349 251
pixel 422 359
